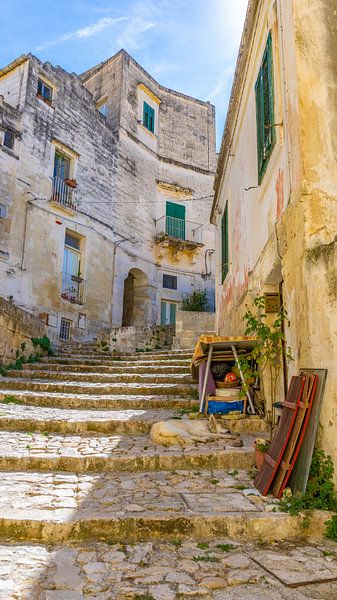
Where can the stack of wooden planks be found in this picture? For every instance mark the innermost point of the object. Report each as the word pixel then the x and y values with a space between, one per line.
pixel 286 445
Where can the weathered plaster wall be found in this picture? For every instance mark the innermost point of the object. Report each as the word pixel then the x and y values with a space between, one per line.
pixel 17 327
pixel 285 230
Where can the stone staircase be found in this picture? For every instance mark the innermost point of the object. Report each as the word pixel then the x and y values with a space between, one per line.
pixel 79 467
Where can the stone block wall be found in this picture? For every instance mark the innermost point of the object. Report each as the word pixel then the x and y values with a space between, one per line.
pixel 17 327
pixel 190 325
pixel 130 339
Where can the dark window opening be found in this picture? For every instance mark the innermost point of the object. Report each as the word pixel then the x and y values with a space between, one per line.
pixel 9 139
pixel 44 91
pixel 170 282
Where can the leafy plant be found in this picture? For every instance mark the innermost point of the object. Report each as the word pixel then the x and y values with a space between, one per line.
pixel 270 343
pixel 320 493
pixel 196 301
pixel 10 400
pixel 225 547
pixel 203 545
pixel 206 558
pixel 262 446
pixel 43 342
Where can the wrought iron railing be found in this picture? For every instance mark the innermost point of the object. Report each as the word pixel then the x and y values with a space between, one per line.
pixel 63 194
pixel 179 229
pixel 73 288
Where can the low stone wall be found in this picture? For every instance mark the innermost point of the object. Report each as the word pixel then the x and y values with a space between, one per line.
pixel 190 325
pixel 17 327
pixel 131 339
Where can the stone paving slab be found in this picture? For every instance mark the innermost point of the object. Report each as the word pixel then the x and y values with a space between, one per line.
pixel 176 378
pixel 16 383
pixel 93 401
pixel 33 451
pixel 218 570
pixel 298 567
pixel 37 418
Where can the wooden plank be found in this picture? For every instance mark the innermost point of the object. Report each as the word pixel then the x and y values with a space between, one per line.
pixel 300 474
pixel 274 455
pixel 296 437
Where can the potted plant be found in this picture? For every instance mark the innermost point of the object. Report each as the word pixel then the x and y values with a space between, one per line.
pixel 77 277
pixel 72 183
pixel 261 446
pixel 267 353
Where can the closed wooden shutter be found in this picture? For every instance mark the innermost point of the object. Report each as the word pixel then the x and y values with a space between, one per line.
pixel 175 220
pixel 264 98
pixel 224 244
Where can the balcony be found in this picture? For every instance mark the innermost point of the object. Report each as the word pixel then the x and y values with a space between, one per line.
pixel 64 194
pixel 73 288
pixel 178 232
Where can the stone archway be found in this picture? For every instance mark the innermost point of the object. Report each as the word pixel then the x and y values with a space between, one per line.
pixel 136 299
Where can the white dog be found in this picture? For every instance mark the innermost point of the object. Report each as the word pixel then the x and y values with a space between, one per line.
pixel 186 432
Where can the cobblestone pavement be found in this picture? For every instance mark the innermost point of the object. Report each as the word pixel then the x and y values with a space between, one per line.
pixel 219 570
pixel 91 508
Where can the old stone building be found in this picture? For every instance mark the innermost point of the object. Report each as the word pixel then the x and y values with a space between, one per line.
pixel 106 180
pixel 276 185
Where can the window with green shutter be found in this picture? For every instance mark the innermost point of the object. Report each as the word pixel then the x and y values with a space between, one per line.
pixel 224 244
pixel 175 220
pixel 148 117
pixel 264 96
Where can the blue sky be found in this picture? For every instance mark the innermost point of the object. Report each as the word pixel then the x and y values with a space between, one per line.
pixel 187 45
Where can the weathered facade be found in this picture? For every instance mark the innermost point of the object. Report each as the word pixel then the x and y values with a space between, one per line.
pixel 276 185
pixel 86 232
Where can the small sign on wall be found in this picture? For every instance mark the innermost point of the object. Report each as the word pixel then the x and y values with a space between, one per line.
pixel 273 303
pixel 52 320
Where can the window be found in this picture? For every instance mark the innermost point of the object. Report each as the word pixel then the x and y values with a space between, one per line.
pixel 224 245
pixel 148 117
pixel 168 313
pixel 65 329
pixel 61 165
pixel 170 282
pixel 3 211
pixel 264 96
pixel 9 139
pixel 72 282
pixel 175 220
pixel 103 109
pixel 44 91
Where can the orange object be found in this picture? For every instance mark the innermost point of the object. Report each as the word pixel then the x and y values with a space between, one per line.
pixel 230 378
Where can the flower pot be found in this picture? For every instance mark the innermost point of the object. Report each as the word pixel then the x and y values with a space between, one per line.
pixel 76 278
pixel 259 458
pixel 72 183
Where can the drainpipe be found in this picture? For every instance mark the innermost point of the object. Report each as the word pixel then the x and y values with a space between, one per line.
pixel 115 246
pixel 28 203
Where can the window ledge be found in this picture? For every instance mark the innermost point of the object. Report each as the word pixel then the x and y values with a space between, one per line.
pixel 148 131
pixel 62 209
pixel 9 152
pixel 44 103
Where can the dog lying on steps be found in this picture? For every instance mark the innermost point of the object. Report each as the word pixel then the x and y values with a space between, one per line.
pixel 187 432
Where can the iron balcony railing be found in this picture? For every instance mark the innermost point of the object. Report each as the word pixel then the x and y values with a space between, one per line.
pixel 73 288
pixel 63 194
pixel 179 229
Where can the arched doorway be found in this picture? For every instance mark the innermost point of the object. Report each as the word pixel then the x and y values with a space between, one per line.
pixel 136 299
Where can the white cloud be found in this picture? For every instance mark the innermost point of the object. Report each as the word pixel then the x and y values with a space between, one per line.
pixel 131 36
pixel 85 32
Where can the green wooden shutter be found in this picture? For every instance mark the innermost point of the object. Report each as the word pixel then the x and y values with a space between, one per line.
pixel 148 117
pixel 264 98
pixel 175 220
pixel 173 312
pixel 163 313
pixel 224 244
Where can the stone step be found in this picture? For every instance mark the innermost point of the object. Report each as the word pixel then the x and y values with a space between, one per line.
pixel 124 507
pixel 134 368
pixel 120 452
pixel 66 420
pixel 16 383
pixel 112 362
pixel 96 401
pixel 120 377
pixel 143 357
